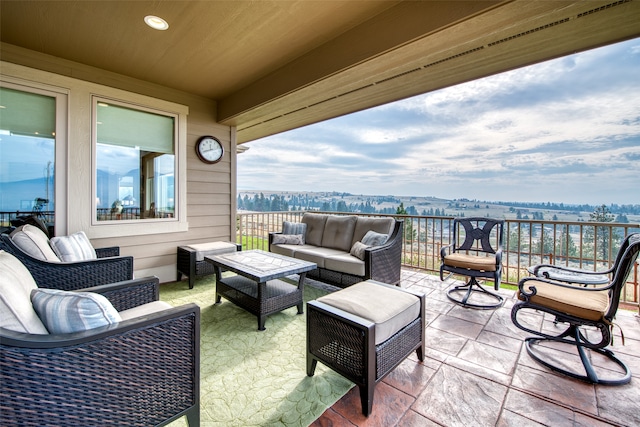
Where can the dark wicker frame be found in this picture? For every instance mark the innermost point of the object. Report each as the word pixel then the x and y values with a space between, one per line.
pixel 71 276
pixel 140 372
pixel 381 263
pixel 346 343
pixel 573 335
pixel 188 266
pixel 478 232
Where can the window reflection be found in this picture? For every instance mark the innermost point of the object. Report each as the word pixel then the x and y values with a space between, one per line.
pixel 135 162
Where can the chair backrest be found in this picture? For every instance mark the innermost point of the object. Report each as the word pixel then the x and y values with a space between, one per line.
pixel 625 263
pixel 480 234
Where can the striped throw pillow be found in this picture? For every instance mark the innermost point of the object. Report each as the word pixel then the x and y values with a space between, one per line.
pixel 75 247
pixel 295 228
pixel 63 312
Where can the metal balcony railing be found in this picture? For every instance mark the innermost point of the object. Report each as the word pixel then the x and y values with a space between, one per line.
pixel 586 245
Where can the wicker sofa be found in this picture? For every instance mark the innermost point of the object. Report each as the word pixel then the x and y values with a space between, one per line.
pixel 336 244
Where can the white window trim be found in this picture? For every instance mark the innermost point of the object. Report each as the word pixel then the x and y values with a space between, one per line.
pixel 73 203
pixel 100 229
pixel 60 154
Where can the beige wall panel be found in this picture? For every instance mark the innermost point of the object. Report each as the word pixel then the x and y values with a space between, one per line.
pixel 208 187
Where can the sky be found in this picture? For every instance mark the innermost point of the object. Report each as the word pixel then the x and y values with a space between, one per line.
pixel 565 130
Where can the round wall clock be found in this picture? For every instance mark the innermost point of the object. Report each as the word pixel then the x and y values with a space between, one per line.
pixel 209 149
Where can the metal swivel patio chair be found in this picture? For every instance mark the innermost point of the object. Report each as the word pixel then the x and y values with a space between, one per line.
pixel 586 314
pixel 478 256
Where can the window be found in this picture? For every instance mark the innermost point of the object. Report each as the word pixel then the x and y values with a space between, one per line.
pixel 135 155
pixel 29 117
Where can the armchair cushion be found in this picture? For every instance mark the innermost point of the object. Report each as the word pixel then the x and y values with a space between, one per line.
pixel 578 302
pixel 472 262
pixel 65 312
pixel 144 309
pixel 33 241
pixel 16 284
pixel 374 239
pixel 75 247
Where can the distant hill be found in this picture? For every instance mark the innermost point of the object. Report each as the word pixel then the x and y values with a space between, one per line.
pixel 266 200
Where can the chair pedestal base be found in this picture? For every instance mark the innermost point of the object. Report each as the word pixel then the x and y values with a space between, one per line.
pixel 590 374
pixel 467 290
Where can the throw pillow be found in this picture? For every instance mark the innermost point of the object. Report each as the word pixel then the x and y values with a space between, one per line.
pixel 295 228
pixel 357 250
pixel 16 284
pixel 75 247
pixel 32 240
pixel 288 239
pixel 63 312
pixel 374 239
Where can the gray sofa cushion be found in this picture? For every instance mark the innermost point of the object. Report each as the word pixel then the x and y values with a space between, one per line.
pixel 288 239
pixel 315 228
pixel 338 232
pixel 316 254
pixel 345 263
pixel 357 250
pixel 379 225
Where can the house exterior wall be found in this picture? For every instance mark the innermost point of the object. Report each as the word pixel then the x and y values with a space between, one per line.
pixel 210 202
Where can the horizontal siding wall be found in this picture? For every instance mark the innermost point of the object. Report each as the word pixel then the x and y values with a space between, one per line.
pixel 210 188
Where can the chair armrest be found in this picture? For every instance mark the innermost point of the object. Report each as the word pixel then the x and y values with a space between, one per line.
pixel 105 373
pixel 539 267
pixel 130 293
pixel 108 252
pixel 383 263
pixel 446 250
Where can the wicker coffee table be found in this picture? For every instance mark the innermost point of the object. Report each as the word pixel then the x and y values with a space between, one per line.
pixel 256 286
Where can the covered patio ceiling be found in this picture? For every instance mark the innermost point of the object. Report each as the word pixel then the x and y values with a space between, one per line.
pixel 273 66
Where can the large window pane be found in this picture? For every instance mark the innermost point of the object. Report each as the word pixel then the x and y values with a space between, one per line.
pixel 27 154
pixel 135 163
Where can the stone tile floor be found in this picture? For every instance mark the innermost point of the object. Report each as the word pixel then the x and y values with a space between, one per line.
pixel 477 373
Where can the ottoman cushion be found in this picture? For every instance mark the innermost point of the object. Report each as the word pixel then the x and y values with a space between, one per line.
pixel 390 309
pixel 213 248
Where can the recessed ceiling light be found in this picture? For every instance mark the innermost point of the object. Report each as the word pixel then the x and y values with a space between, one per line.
pixel 156 22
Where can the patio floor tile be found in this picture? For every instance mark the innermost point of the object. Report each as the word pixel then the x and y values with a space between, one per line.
pixel 477 372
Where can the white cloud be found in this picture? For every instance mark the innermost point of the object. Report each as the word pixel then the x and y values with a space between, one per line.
pixel 559 130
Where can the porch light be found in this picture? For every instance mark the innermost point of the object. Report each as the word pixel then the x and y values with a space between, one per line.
pixel 156 23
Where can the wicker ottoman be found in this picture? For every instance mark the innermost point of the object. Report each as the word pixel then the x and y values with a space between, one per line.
pixel 364 331
pixel 191 261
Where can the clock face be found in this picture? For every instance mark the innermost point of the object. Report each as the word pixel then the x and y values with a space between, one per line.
pixel 209 149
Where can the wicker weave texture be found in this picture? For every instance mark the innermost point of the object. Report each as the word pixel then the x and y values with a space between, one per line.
pixel 337 344
pixel 71 276
pixel 138 377
pixel 276 296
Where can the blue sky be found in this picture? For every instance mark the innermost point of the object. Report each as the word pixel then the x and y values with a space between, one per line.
pixel 566 130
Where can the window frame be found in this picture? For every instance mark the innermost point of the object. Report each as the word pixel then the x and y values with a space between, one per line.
pixel 122 228
pixel 61 96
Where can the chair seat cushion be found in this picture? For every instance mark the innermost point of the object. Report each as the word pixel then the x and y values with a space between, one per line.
pixel 64 312
pixel 144 309
pixel 213 248
pixel 471 262
pixel 16 283
pixel 591 305
pixel 389 308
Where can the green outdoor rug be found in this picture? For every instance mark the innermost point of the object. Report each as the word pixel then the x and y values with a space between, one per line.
pixel 254 378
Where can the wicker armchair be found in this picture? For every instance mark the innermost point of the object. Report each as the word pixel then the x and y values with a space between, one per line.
pixel 139 372
pixel 584 318
pixel 70 276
